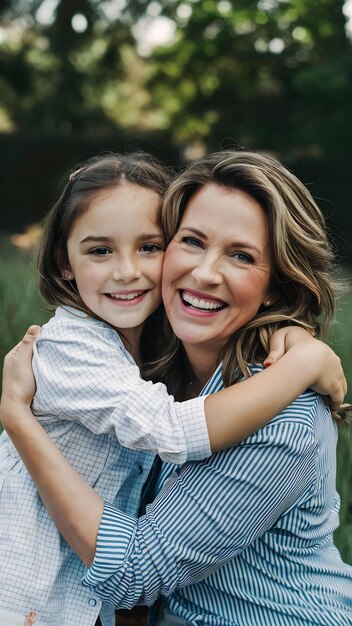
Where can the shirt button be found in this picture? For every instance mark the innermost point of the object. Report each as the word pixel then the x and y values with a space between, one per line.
pixel 92 602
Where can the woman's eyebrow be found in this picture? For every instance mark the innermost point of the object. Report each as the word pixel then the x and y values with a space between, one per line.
pixel 246 246
pixel 240 244
pixel 197 232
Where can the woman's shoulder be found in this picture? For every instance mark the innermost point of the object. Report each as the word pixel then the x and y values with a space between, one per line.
pixel 303 410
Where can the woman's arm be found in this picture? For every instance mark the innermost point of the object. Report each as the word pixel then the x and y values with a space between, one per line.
pixel 223 505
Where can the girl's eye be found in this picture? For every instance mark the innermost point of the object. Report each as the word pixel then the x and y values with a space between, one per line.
pixel 243 257
pixel 192 241
pixel 101 251
pixel 150 248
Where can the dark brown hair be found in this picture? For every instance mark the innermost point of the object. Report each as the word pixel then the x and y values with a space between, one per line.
pixel 302 260
pixel 84 183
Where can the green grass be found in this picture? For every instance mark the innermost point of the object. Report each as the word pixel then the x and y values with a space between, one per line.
pixel 20 302
pixel 341 341
pixel 21 305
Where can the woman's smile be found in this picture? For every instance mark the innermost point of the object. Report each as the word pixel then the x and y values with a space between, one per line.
pixel 200 303
pixel 217 268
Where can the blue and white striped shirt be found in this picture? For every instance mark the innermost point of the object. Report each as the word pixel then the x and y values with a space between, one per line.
pixel 244 538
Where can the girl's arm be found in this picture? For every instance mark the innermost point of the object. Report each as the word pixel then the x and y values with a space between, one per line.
pixel 297 362
pixel 74 506
pixel 104 392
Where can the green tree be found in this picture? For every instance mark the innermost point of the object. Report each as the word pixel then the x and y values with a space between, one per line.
pixel 57 76
pixel 269 73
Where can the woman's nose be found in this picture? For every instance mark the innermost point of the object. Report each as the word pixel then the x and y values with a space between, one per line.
pixel 126 269
pixel 207 271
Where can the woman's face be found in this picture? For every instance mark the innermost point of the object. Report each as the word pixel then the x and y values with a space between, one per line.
pixel 217 267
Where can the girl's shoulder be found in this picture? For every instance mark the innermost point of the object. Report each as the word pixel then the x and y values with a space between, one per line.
pixel 68 317
pixel 74 326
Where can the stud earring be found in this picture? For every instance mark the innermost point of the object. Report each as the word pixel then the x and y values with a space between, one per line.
pixel 267 303
pixel 68 275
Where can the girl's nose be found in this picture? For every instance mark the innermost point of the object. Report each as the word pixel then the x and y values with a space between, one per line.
pixel 126 269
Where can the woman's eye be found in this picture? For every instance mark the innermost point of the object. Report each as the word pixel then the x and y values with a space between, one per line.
pixel 101 251
pixel 192 241
pixel 243 257
pixel 150 248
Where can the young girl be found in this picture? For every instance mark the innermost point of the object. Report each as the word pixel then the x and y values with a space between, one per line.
pixel 101 262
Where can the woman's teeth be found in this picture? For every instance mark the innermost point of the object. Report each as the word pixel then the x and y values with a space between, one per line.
pixel 200 303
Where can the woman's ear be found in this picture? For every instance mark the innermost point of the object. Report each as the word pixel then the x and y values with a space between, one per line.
pixel 270 299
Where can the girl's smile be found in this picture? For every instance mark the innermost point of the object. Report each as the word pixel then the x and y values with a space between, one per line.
pixel 116 260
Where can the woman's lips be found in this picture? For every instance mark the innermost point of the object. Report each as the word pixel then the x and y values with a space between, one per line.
pixel 200 302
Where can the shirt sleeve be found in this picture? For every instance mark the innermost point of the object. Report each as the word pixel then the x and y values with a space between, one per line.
pixel 83 375
pixel 203 517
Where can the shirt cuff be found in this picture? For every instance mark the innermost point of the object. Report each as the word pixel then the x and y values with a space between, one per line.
pixel 115 535
pixel 191 414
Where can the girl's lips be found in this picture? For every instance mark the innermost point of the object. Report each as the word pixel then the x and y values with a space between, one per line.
pixel 126 298
pixel 199 303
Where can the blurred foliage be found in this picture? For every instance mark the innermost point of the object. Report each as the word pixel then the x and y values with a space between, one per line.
pixel 268 73
pixel 265 74
pixel 59 78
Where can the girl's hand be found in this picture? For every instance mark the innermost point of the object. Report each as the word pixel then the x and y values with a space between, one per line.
pixel 329 378
pixel 18 384
pixel 284 339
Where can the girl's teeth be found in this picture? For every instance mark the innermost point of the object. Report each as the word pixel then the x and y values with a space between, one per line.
pixel 126 296
pixel 200 303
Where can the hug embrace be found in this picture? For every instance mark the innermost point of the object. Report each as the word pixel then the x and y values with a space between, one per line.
pixel 171 294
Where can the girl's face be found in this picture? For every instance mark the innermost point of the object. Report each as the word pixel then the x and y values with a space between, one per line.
pixel 217 268
pixel 115 251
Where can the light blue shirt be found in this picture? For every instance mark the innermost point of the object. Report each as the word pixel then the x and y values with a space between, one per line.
pixel 244 538
pixel 87 385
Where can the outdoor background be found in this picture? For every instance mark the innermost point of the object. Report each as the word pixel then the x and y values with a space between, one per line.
pixel 177 79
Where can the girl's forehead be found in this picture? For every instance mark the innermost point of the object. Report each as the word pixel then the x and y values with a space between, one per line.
pixel 122 211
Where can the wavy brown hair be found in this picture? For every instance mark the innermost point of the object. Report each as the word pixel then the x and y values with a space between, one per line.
pixel 302 259
pixel 82 186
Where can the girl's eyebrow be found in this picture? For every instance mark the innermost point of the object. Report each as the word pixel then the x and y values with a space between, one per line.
pixel 105 239
pixel 156 235
pixel 95 238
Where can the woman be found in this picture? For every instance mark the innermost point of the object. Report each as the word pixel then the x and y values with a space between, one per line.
pixel 256 519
